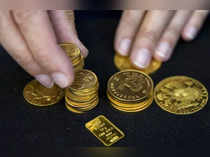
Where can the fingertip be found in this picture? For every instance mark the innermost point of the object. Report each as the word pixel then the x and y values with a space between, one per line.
pixel 123 46
pixel 141 58
pixel 62 80
pixel 163 51
pixel 189 33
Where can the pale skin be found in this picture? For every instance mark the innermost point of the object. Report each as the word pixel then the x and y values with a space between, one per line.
pixel 32 37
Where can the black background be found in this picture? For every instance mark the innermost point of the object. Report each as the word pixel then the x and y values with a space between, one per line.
pixel 54 131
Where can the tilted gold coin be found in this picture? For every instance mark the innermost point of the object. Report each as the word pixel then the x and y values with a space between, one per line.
pixel 71 50
pixel 123 63
pixel 38 95
pixel 181 95
pixel 130 86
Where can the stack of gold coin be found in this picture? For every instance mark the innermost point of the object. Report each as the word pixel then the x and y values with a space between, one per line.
pixel 130 90
pixel 82 95
pixel 74 53
pixel 123 63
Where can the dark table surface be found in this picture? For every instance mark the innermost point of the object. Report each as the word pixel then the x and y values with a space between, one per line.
pixel 51 130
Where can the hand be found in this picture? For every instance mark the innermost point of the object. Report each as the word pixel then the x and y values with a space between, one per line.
pixel 31 38
pixel 146 34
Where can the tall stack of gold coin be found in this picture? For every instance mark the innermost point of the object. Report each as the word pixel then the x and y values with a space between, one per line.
pixel 82 95
pixel 130 91
pixel 74 53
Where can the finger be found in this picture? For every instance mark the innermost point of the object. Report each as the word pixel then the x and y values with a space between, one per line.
pixel 170 37
pixel 148 36
pixel 12 40
pixel 126 30
pixel 194 25
pixel 40 37
pixel 65 30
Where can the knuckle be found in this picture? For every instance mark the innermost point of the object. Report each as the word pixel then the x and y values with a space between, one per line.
pixel 22 17
pixel 149 35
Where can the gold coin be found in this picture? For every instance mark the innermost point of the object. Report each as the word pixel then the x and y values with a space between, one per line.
pixel 181 95
pixel 123 63
pixel 74 97
pixel 38 95
pixel 133 106
pixel 142 107
pixel 130 86
pixel 85 80
pixel 81 104
pixel 71 50
pixel 72 109
pixel 79 66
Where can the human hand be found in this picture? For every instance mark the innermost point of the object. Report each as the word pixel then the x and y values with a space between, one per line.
pixel 146 34
pixel 32 37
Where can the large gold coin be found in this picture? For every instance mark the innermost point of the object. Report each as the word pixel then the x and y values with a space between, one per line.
pixel 85 80
pixel 38 95
pixel 181 95
pixel 130 86
pixel 71 50
pixel 123 63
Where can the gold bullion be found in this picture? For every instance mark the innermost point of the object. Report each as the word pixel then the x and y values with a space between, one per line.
pixel 181 95
pixel 130 86
pixel 38 95
pixel 104 130
pixel 123 63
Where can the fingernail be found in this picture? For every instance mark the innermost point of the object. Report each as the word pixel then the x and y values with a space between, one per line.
pixel 164 50
pixel 60 79
pixel 45 80
pixel 142 58
pixel 190 32
pixel 124 47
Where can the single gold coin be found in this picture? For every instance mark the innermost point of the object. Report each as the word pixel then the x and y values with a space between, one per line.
pixel 130 86
pixel 38 95
pixel 181 95
pixel 85 80
pixel 123 63
pixel 71 50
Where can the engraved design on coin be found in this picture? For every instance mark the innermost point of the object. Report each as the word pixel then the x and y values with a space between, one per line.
pixel 181 95
pixel 84 79
pixel 130 86
pixel 38 95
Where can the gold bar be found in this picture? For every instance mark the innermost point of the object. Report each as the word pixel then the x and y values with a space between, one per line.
pixel 104 130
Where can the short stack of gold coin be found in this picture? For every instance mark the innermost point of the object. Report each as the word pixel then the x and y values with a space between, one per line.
pixel 82 95
pixel 74 53
pixel 130 91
